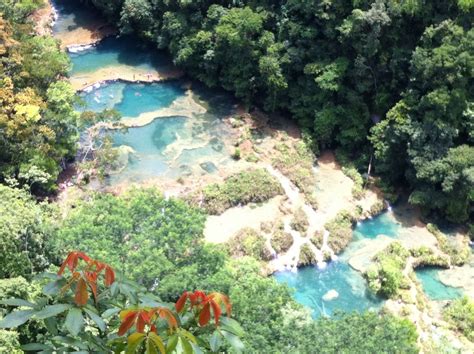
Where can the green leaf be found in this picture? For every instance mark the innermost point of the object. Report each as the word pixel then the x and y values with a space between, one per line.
pixel 16 318
pixel 196 348
pixel 187 348
pixel 52 325
pixel 71 341
pixel 51 310
pixel 53 287
pixel 17 302
pixel 157 342
pixel 172 343
pixel 215 341
pixel 234 341
pixel 110 312
pixel 96 318
pixel 34 347
pixel 232 326
pixel 74 321
pixel 133 342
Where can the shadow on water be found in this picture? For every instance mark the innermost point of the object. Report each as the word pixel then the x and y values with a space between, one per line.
pixel 74 15
pixel 124 50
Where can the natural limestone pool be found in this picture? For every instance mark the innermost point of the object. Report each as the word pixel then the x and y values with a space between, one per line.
pixel 173 145
pixel 312 284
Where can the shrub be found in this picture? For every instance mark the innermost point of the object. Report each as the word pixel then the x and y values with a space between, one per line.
pixel 236 154
pixel 281 241
pixel 300 221
pixel 248 242
pixel 460 314
pixel 307 256
pixel 245 187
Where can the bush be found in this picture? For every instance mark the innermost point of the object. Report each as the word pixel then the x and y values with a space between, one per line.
pixel 248 242
pixel 252 186
pixel 300 221
pixel 385 276
pixel 307 256
pixel 281 241
pixel 460 314
pixel 377 208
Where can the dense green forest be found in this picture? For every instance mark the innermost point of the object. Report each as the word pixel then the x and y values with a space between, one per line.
pixel 388 81
pixel 384 82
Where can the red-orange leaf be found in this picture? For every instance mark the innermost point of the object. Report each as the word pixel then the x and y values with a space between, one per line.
pixel 216 309
pixel 109 276
pixel 81 295
pixel 166 314
pixel 205 315
pixel 127 322
pixel 140 324
pixel 181 301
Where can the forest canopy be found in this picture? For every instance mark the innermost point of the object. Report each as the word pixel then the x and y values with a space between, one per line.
pixel 388 80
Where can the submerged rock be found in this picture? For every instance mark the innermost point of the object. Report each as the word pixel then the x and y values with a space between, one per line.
pixel 208 166
pixel 330 295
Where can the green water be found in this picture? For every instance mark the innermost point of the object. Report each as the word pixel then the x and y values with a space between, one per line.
pixel 311 284
pixel 383 224
pixel 72 15
pixel 113 51
pixel 169 146
pixel 133 99
pixel 433 287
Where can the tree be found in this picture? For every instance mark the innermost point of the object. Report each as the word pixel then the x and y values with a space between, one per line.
pixel 23 234
pixel 143 235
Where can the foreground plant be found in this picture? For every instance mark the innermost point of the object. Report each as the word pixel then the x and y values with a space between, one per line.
pixel 81 313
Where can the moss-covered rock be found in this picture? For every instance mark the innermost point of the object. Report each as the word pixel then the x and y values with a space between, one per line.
pixel 248 242
pixel 300 221
pixel 307 257
pixel 281 241
pixel 457 248
pixel 340 231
